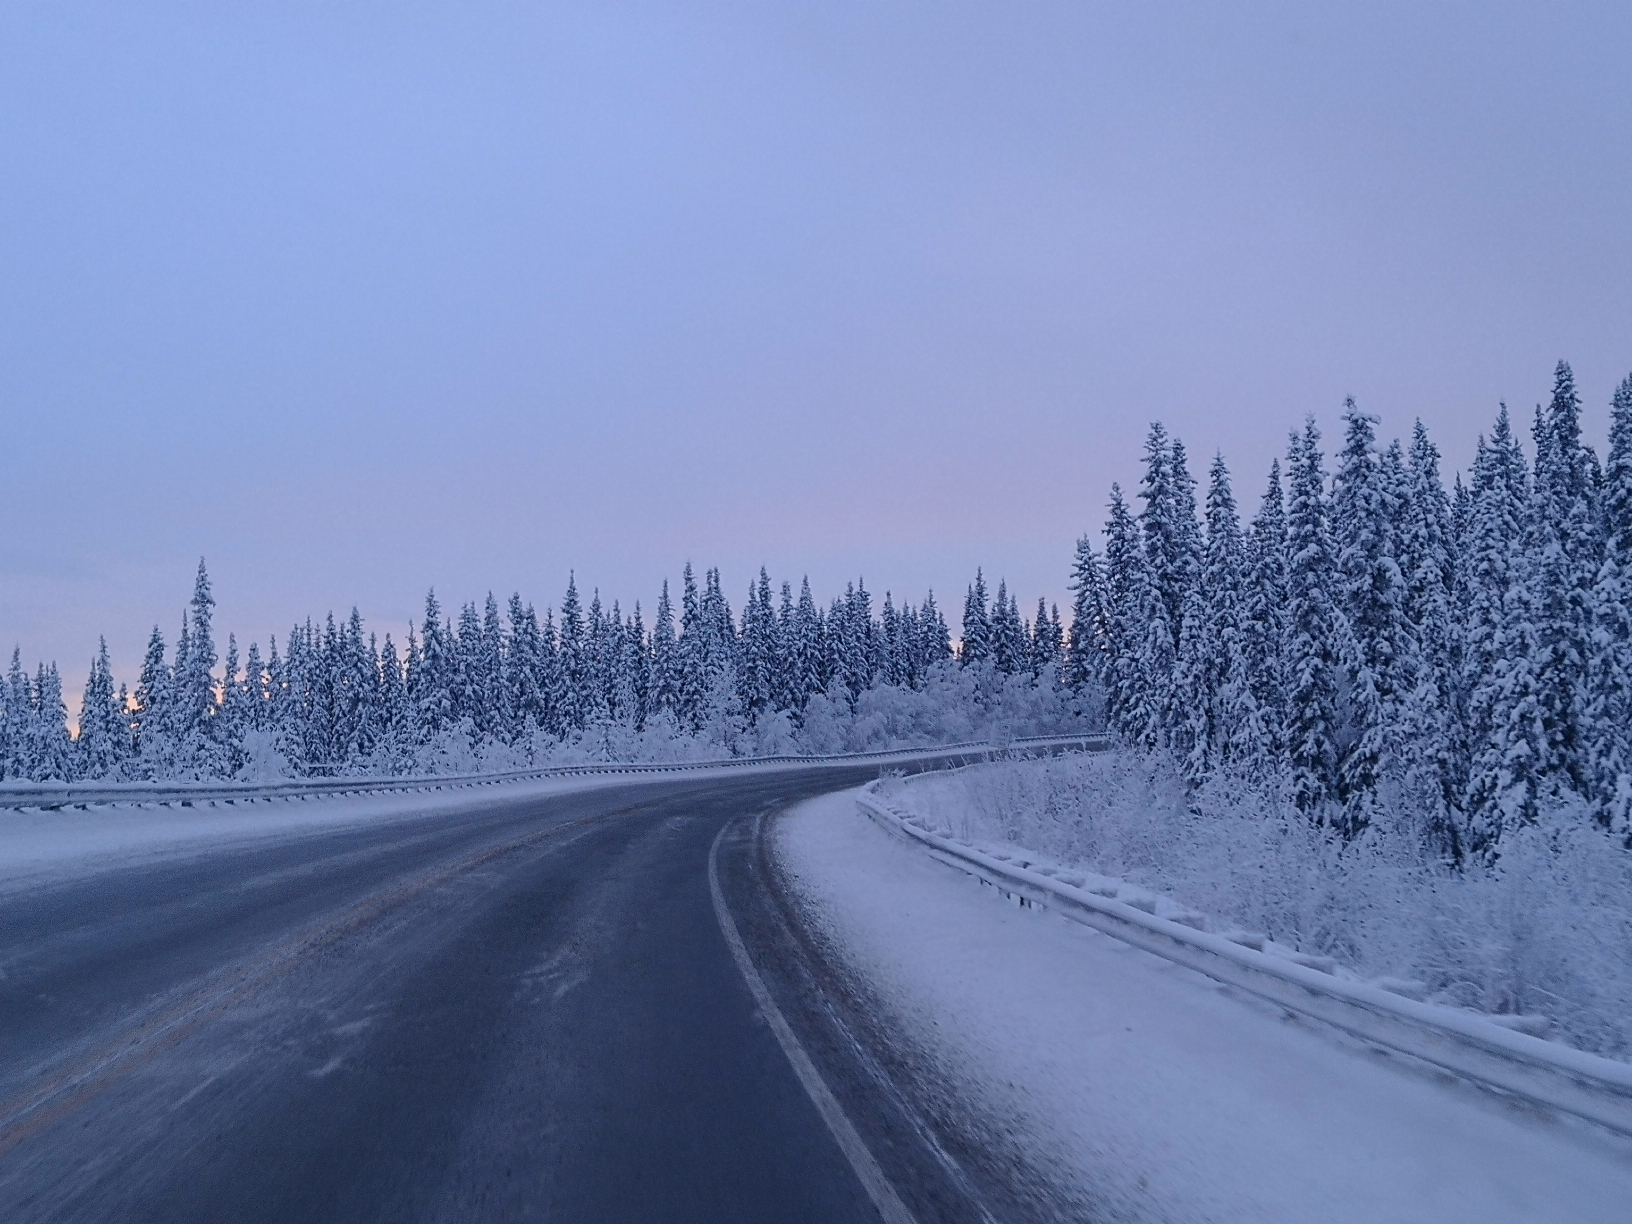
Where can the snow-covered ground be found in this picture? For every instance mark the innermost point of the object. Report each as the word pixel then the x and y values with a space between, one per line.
pixel 1545 936
pixel 1145 1091
pixel 38 845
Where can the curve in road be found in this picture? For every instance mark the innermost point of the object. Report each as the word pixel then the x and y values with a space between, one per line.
pixel 531 1013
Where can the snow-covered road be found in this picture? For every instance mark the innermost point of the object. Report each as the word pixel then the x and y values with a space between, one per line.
pixel 1131 1088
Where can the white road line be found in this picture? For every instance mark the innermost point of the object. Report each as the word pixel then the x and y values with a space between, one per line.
pixel 878 1188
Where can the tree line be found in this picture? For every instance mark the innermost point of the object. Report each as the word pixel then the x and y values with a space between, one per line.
pixel 1377 639
pixel 338 700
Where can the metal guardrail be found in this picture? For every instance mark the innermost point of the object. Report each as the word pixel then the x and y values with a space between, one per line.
pixel 1466 1044
pixel 53 795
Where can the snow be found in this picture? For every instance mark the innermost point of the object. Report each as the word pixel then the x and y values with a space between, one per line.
pixel 37 846
pixel 1143 1090
pixel 1548 934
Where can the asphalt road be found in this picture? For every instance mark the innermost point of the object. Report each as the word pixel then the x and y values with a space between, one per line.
pixel 529 1014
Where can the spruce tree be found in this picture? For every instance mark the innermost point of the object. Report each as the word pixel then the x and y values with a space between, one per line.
pixel 975 644
pixel 1565 546
pixel 104 740
pixel 1608 715
pixel 1313 631
pixel 1380 653
pixel 430 679
pixel 1084 653
pixel 1257 707
pixel 666 677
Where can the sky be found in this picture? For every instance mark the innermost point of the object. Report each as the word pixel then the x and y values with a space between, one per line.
pixel 354 300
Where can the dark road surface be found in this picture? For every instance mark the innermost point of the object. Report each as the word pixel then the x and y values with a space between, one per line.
pixel 530 1013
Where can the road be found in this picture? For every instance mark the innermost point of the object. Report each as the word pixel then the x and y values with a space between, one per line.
pixel 531 1013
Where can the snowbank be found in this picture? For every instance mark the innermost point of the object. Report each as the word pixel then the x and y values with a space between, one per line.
pixel 1138 1090
pixel 1549 933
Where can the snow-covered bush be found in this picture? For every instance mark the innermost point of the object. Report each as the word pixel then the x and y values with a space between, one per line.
pixel 1547 930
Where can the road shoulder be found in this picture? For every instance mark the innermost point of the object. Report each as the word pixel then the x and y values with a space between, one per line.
pixel 1139 1089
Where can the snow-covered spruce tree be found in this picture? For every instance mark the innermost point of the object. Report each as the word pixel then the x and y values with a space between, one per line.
pixel 1490 568
pixel 104 742
pixel 1256 708
pixel 1433 710
pixel 934 638
pixel 806 650
pixel 394 754
pixel 48 749
pixel 1047 640
pixel 430 675
pixel 198 754
pixel 573 698
pixel 1009 649
pixel 693 652
pixel 521 666
pixel 756 682
pixel 666 679
pixel 975 644
pixel 1212 679
pixel 152 718
pixel 855 654
pixel 1130 707
pixel 1566 549
pixel 1608 715
pixel 638 667
pixel 1379 661
pixel 1171 540
pixel 1312 638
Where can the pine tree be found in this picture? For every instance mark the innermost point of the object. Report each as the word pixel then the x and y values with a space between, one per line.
pixel 1565 546
pixel 1047 646
pixel 153 720
pixel 19 720
pixel 1210 663
pixel 804 650
pixel 935 639
pixel 1608 717
pixel 1380 653
pixel 756 681
pixel 395 712
pixel 666 674
pixel 104 739
pixel 1490 570
pixel 1009 648
pixel 50 749
pixel 194 679
pixel 430 678
pixel 1256 709
pixel 1312 633
pixel 975 645
pixel 1084 651
pixel 1434 708
pixel 1131 705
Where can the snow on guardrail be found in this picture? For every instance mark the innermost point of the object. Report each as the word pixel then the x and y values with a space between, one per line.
pixel 1490 1050
pixel 52 795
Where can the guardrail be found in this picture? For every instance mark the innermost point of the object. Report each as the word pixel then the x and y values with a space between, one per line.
pixel 53 795
pixel 1468 1045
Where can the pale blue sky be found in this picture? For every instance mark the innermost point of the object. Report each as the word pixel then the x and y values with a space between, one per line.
pixel 354 299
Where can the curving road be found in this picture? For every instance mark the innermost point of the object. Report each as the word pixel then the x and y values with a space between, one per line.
pixel 532 1013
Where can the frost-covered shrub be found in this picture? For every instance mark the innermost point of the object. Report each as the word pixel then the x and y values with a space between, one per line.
pixel 1547 930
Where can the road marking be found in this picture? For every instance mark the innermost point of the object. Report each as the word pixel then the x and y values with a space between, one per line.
pixel 844 1132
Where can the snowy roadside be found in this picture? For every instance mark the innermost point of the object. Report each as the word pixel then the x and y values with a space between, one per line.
pixel 37 847
pixel 1542 945
pixel 1142 1090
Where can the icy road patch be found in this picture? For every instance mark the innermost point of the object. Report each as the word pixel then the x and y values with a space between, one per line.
pixel 1142 1090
